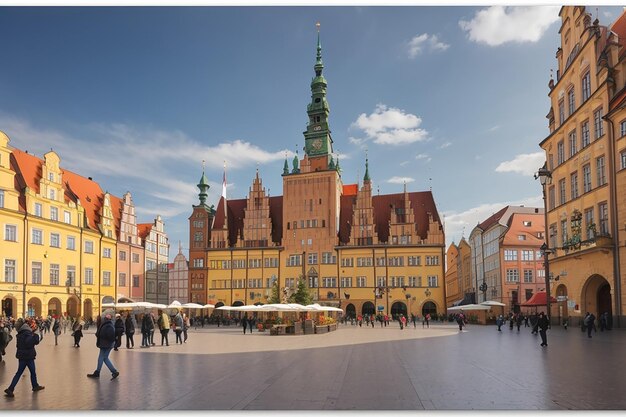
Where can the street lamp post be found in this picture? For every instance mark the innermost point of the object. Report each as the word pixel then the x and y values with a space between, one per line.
pixel 545 178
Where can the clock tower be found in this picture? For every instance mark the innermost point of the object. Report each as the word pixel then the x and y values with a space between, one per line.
pixel 318 142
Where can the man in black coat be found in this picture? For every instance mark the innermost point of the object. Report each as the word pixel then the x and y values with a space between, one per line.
pixel 26 341
pixel 105 340
pixel 119 330
pixel 543 325
pixel 129 329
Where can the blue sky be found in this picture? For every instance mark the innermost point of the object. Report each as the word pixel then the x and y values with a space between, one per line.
pixel 452 98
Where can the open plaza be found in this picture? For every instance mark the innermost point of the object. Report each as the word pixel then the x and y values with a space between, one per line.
pixel 352 368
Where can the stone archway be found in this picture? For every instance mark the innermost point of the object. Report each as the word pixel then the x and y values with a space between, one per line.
pixel 237 303
pixel 368 308
pixel 561 294
pixel 350 310
pixel 87 309
pixel 9 306
pixel 72 307
pixel 54 307
pixel 33 307
pixel 596 296
pixel 429 308
pixel 398 308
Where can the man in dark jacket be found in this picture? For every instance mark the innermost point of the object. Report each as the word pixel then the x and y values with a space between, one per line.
pixel 130 331
pixel 26 341
pixel 119 330
pixel 543 324
pixel 105 340
pixel 147 326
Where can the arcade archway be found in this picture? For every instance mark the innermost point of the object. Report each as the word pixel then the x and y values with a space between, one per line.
pixel 33 307
pixel 350 310
pixel 561 296
pixel 9 306
pixel 368 308
pixel 87 309
pixel 398 308
pixel 54 307
pixel 596 296
pixel 429 308
pixel 72 307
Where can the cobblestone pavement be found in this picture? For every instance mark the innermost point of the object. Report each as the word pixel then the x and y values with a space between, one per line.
pixel 352 368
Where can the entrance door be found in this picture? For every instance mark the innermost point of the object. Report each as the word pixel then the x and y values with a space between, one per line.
pixel 429 308
pixel 8 307
pixel 368 308
pixel 398 308
pixel 604 302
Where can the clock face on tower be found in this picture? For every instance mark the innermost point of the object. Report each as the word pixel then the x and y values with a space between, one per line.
pixel 317 144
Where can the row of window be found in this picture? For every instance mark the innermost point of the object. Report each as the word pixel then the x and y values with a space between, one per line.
pixel 573 140
pixel 571 97
pixel 54 211
pixel 122 256
pixel 10 268
pixel 512 275
pixel 574 190
pixel 589 229
pixel 329 282
pixel 306 224
pixel 527 255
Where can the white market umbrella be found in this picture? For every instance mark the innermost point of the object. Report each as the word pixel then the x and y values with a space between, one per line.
pixel 192 305
pixel 493 303
pixel 318 307
pixel 208 306
pixel 175 304
pixel 470 307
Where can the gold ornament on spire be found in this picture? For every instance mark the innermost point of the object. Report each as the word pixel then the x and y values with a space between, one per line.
pixel 317 25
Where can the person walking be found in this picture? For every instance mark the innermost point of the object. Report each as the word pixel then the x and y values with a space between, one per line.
pixel 543 324
pixel 251 323
pixel 244 323
pixel 164 327
pixel 119 330
pixel 414 320
pixel 145 330
pixel 460 320
pixel 499 322
pixel 105 341
pixel 77 331
pixel 152 327
pixel 186 325
pixel 427 320
pixel 56 329
pixel 26 353
pixel 5 337
pixel 518 322
pixel 565 323
pixel 130 331
pixel 402 322
pixel 178 322
pixel 589 323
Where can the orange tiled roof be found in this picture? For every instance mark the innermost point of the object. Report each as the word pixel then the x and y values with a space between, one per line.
pixel 143 229
pixel 350 189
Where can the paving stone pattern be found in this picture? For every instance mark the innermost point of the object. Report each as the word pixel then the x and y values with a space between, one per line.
pixel 352 368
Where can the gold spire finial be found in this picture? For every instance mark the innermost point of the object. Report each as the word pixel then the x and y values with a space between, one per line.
pixel 317 25
pixel 203 165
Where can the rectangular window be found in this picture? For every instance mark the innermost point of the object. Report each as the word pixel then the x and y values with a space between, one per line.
pixel 36 237
pixel 551 198
pixel 329 282
pixel 560 152
pixel 622 128
pixel 106 252
pixel 122 255
pixel 380 281
pixel 361 281
pixel 54 274
pixel 294 260
pixel 585 134
pixel 38 209
pixel 313 282
pixel 106 278
pixel 586 178
pixel 312 259
pixel 432 260
pixel 603 215
pixel 54 214
pixel 564 234
pixel 271 262
pixel 71 276
pixel 600 174
pixel 381 261
pixel 589 223
pixel 290 283
pixel 364 261
pixel 1 198
pixel 512 275
pixel 586 86
pixel 510 255
pixel 562 191
pixel 527 255
pixel 346 282
pixel 135 281
pixel 55 240
pixel 89 276
pixel 415 260
pixel 36 273
pixel 413 281
pixel 122 279
pixel 135 258
pixel 528 275
pixel 574 184
pixel 396 261
pixel 622 156
pixel 433 281
pixel 9 270
pixel 328 258
pixel 561 112
pixel 10 233
pixel 67 217
pixel 347 262
pixel 571 101
pixel 573 145
pixel 254 263
pixel 553 235
pixel 71 243
pixel 88 246
pixel 598 124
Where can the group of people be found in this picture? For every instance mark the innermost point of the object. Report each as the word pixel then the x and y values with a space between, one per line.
pixel 385 320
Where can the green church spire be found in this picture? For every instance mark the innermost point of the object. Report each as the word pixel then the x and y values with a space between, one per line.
pixel 367 172
pixel 204 186
pixel 286 166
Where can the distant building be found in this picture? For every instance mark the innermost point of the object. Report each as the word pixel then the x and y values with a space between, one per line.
pixel 368 254
pixel 179 278
pixel 156 244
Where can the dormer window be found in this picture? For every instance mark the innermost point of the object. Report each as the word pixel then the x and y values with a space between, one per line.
pixel 51 176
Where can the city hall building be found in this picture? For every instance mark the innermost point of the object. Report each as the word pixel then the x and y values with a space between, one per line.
pixel 364 253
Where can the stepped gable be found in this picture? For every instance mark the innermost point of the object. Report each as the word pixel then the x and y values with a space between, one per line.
pixel 116 207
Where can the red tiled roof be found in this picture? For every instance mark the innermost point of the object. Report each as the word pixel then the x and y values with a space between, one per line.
pixel 493 219
pixel 350 189
pixel 116 208
pixel 143 229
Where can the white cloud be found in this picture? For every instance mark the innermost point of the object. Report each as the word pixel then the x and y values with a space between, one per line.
pixel 497 25
pixel 400 180
pixel 423 42
pixel 403 163
pixel 151 158
pixel 460 224
pixel 445 145
pixel 494 128
pixel 391 126
pixel 423 156
pixel 525 164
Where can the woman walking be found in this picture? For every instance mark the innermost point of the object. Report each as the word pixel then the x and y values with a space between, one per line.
pixel 26 341
pixel 77 331
pixel 56 329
